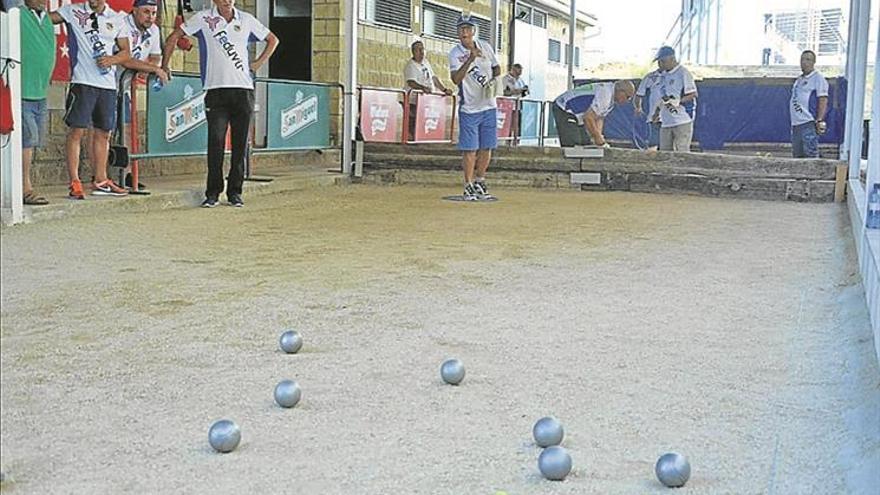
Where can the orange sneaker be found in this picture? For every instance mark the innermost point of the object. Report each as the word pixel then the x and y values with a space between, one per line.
pixel 76 190
pixel 108 188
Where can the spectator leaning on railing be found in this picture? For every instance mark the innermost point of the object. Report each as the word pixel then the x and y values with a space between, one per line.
pixel 93 29
pixel 37 61
pixel 420 76
pixel 513 83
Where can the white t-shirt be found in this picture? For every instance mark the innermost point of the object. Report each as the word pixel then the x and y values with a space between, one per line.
pixel 143 44
pixel 477 89
pixel 223 48
pixel 598 97
pixel 88 43
pixel 799 105
pixel 511 82
pixel 651 82
pixel 677 83
pixel 421 73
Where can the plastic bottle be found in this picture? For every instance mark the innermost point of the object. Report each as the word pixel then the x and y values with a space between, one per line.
pixel 872 219
pixel 156 84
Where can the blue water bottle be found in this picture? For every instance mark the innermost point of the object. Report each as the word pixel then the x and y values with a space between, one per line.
pixel 157 83
pixel 872 219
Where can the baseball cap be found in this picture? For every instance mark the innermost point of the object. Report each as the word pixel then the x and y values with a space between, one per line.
pixel 465 20
pixel 145 3
pixel 664 51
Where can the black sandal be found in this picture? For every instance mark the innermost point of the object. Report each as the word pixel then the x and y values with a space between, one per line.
pixel 32 199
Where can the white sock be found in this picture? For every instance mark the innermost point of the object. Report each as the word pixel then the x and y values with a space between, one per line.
pixel 480 179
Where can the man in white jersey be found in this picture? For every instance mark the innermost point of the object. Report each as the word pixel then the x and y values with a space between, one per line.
pixel 650 86
pixel 513 83
pixel 420 76
pixel 473 67
pixel 805 128
pixel 678 95
pixel 580 112
pixel 145 45
pixel 224 33
pixel 93 29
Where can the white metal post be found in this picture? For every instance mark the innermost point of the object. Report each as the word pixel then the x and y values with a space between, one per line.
pixel 349 112
pixel 493 30
pixel 10 153
pixel 851 42
pixel 874 143
pixel 860 65
pixel 572 28
pixel 717 30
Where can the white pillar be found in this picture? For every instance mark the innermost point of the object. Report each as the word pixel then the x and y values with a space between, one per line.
pixel 851 42
pixel 572 28
pixel 493 29
pixel 874 143
pixel 349 101
pixel 860 65
pixel 717 30
pixel 10 153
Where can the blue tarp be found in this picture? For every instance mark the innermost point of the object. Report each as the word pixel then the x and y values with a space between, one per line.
pixel 737 111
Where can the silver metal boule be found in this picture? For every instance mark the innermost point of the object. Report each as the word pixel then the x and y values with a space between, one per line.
pixel 673 470
pixel 290 342
pixel 224 436
pixel 548 431
pixel 287 393
pixel 452 371
pixel 554 463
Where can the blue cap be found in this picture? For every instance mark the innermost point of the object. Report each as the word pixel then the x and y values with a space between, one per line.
pixel 146 3
pixel 664 51
pixel 465 20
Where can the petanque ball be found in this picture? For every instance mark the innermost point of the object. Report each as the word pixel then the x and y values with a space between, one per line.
pixel 548 431
pixel 287 393
pixel 673 470
pixel 452 371
pixel 224 436
pixel 554 463
pixel 290 342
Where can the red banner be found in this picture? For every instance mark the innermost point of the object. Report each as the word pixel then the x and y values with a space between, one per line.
pixel 431 115
pixel 506 107
pixel 62 48
pixel 381 114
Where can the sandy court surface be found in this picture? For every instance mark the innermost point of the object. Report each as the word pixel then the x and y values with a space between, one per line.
pixel 734 332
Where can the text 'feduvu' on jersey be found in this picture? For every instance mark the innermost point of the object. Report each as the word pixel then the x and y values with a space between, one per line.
pixel 223 47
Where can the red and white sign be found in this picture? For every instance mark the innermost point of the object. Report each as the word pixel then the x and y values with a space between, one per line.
pixel 506 106
pixel 381 114
pixel 62 49
pixel 431 116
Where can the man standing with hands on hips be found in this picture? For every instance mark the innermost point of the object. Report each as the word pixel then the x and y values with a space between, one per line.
pixel 805 129
pixel 473 68
pixel 224 33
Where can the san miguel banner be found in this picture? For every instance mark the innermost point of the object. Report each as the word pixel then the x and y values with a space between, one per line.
pixel 432 113
pixel 506 107
pixel 62 47
pixel 177 117
pixel 299 116
pixel 381 114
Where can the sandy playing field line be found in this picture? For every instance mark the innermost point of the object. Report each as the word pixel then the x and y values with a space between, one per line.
pixel 734 332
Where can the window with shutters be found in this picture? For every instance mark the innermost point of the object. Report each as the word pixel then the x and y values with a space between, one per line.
pixel 554 52
pixel 440 21
pixel 539 19
pixel 396 13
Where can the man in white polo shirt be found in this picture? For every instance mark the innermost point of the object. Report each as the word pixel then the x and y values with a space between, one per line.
pixel 420 76
pixel 93 30
pixel 473 67
pixel 678 95
pixel 580 112
pixel 227 77
pixel 806 129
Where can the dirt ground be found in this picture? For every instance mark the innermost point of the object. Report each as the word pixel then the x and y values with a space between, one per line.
pixel 734 332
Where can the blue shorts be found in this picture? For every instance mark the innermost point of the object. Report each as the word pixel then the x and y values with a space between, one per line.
pixel 88 106
pixel 478 131
pixel 34 115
